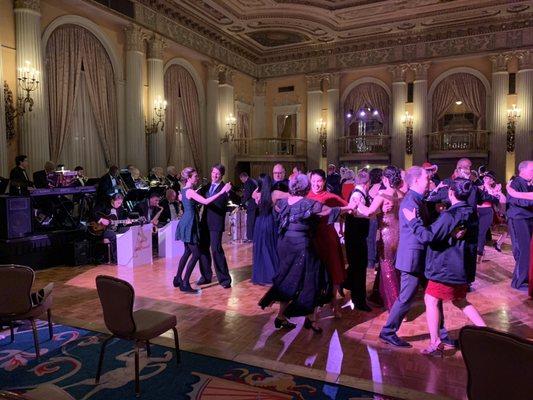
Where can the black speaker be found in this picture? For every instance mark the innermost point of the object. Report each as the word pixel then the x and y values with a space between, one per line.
pixel 15 217
pixel 81 252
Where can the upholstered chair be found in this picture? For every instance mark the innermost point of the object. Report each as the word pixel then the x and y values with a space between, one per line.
pixel 140 326
pixel 499 364
pixel 18 302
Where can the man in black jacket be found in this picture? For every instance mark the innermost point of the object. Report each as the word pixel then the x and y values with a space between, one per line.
pixel 171 207
pixel 40 178
pixel 108 183
pixel 212 226
pixel 18 177
pixel 247 201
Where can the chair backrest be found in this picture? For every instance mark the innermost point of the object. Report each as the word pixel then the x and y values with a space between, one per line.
pixel 15 289
pixel 499 364
pixel 117 297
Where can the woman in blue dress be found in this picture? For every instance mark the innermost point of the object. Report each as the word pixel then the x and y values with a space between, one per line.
pixel 188 228
pixel 265 255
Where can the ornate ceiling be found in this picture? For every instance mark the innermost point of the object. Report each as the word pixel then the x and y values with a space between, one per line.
pixel 270 31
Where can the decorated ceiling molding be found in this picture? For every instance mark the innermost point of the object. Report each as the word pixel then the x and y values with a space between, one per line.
pixel 267 38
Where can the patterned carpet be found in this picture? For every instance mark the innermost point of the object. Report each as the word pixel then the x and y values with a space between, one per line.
pixel 70 359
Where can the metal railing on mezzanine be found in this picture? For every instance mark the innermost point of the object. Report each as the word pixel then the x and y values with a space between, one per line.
pixel 364 145
pixel 270 147
pixel 459 141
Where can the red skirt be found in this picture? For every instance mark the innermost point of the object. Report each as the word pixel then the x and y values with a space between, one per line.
pixel 446 292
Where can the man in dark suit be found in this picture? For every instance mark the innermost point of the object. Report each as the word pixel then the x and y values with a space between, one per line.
pixel 107 183
pixel 18 177
pixel 173 177
pixel 171 207
pixel 520 220
pixel 410 259
pixel 149 208
pixel 40 178
pixel 247 201
pixel 278 178
pixel 212 226
pixel 333 180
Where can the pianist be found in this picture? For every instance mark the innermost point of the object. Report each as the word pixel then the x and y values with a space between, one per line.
pixel 44 178
pixel 18 178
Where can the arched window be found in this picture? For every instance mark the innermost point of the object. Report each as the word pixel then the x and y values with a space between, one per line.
pixel 82 100
pixel 182 118
pixel 366 110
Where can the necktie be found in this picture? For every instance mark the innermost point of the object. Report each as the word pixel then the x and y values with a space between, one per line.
pixel 212 190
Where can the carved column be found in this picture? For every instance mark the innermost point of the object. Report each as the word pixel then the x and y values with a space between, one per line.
pixel 4 162
pixel 135 134
pixel 156 89
pixel 226 106
pixel 35 141
pixel 213 135
pixel 259 128
pixel 524 90
pixel 498 128
pixel 333 118
pixel 314 108
pixel 420 112
pixel 399 97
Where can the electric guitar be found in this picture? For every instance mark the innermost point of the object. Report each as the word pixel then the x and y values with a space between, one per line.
pixel 96 228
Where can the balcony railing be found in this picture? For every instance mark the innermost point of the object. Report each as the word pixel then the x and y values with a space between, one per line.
pixel 267 147
pixel 459 141
pixel 364 145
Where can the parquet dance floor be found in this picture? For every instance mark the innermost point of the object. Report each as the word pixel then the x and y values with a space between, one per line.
pixel 228 323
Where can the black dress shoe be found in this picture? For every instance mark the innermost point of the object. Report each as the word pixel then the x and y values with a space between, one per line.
pixel 186 288
pixel 394 340
pixel 226 285
pixel 203 281
pixel 308 324
pixel 177 282
pixel 283 323
pixel 449 342
pixel 362 307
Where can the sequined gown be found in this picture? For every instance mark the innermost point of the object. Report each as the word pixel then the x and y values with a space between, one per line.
pixel 388 226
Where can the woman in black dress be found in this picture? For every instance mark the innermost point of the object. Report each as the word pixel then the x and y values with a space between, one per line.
pixel 301 284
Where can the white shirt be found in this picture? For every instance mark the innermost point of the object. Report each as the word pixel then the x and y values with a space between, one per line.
pixel 173 213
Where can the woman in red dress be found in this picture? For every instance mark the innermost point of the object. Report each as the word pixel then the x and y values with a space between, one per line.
pixel 326 240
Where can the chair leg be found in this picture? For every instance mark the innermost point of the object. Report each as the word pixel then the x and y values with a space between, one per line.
pixel 137 386
pixel 50 326
pixel 177 346
pixel 12 330
pixel 35 338
pixel 148 353
pixel 101 359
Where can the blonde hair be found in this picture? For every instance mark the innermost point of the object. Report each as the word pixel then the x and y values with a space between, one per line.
pixel 187 172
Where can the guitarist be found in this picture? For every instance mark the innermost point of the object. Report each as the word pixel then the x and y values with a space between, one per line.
pixel 111 206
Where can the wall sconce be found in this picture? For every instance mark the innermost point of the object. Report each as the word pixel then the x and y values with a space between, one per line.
pixel 160 106
pixel 407 121
pixel 321 130
pixel 513 114
pixel 28 79
pixel 231 122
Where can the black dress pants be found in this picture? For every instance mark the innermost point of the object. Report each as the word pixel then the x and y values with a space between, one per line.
pixel 355 237
pixel 521 231
pixel 211 250
pixel 486 214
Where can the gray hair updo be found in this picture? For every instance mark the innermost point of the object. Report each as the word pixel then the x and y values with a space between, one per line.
pixel 299 185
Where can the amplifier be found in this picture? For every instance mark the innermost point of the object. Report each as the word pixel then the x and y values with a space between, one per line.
pixel 15 217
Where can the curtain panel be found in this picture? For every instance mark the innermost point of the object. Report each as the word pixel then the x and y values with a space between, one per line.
pixel 464 87
pixel 180 90
pixel 372 96
pixel 70 50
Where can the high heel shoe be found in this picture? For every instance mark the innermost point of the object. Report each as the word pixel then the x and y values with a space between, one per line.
pixel 434 350
pixel 283 323
pixel 177 282
pixel 186 288
pixel 308 324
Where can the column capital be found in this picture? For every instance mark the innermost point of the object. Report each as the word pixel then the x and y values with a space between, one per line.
pixel 398 72
pixel 334 81
pixel 499 62
pixel 156 45
pixel 525 59
pixel 225 75
pixel 260 87
pixel 212 70
pixel 314 82
pixel 420 70
pixel 34 5
pixel 134 38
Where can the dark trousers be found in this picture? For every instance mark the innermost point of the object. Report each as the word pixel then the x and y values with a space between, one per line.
pixel 112 237
pixel 521 230
pixel 371 242
pixel 486 214
pixel 211 243
pixel 408 288
pixel 355 237
pixel 190 250
pixel 251 212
